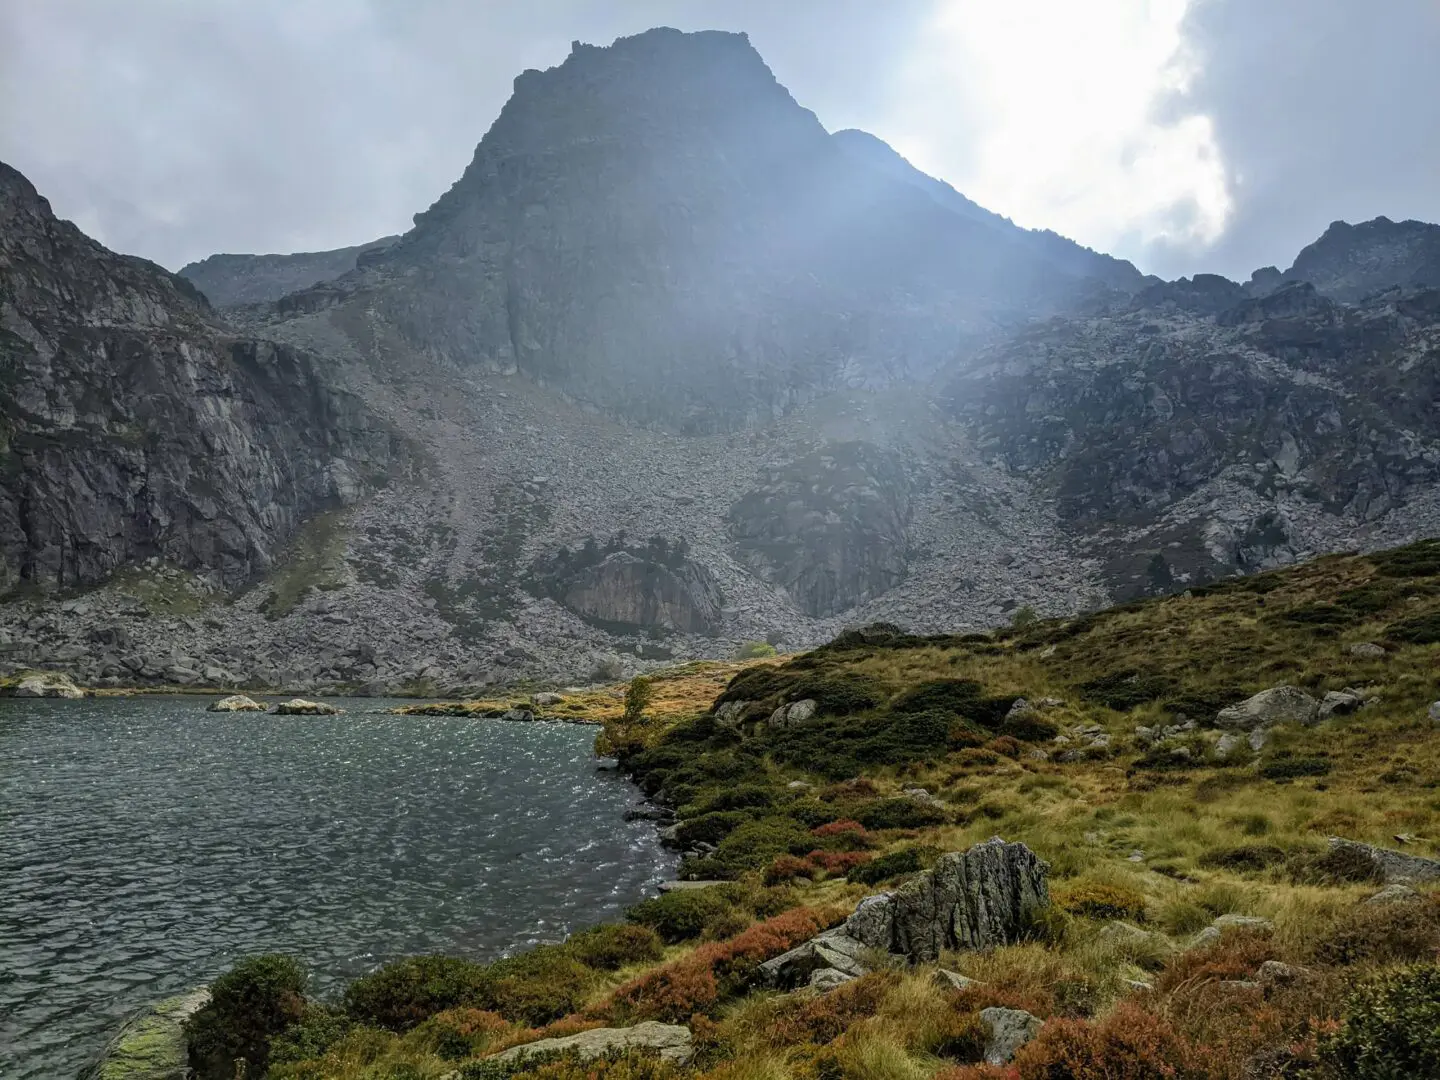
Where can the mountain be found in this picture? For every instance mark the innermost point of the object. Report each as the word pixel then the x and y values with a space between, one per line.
pixel 1350 262
pixel 235 280
pixel 668 370
pixel 659 229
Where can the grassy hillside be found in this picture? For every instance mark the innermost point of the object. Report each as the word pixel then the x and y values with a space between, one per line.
pixel 1148 815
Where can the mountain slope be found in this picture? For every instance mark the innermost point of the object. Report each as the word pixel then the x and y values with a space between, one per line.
pixel 657 228
pixel 137 427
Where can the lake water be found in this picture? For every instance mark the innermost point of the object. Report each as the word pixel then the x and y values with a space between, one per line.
pixel 145 844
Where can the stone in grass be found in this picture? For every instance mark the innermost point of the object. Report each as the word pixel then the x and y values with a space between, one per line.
pixel 1366 650
pixel 1390 866
pixel 1278 705
pixel 1435 712
pixel 827 979
pixel 302 707
pixel 236 703
pixel 546 699
pixel 671 1042
pixel 152 1045
pixel 953 980
pixel 1006 1031
pixel 1395 894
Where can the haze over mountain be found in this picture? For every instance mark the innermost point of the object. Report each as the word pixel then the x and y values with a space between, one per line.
pixel 670 368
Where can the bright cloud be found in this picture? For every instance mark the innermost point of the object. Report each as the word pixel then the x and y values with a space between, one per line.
pixel 1061 114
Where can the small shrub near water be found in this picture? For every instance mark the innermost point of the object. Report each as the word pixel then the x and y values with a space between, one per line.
pixel 249 1006
pixel 905 861
pixel 610 947
pixel 681 915
pixel 403 993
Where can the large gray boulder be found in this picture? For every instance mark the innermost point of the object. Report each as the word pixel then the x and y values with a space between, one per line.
pixel 975 899
pixel 236 703
pixel 1278 705
pixel 302 707
pixel 1391 866
pixel 670 1042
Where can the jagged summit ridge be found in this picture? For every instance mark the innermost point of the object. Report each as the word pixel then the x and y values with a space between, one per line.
pixel 659 229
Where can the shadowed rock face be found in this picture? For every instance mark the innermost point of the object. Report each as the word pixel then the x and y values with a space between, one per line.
pixel 234 280
pixel 830 527
pixel 136 427
pixel 638 592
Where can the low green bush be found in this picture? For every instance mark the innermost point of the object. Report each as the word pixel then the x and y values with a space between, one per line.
pixel 1382 934
pixel 250 1005
pixel 1288 768
pixel 738 797
pixel 1250 858
pixel 1424 630
pixel 538 986
pixel 755 650
pixel 680 915
pixel 1124 690
pixel 1391 1030
pixel 752 846
pixel 319 1028
pixel 612 946
pixel 900 813
pixel 1028 725
pixel 1414 560
pixel 405 992
pixel 710 828
pixel 906 860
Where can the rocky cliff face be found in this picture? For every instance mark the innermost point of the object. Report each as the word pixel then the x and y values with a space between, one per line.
pixel 235 280
pixel 1201 432
pixel 137 428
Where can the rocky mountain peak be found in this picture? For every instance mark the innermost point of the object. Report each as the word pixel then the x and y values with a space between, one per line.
pixel 1350 262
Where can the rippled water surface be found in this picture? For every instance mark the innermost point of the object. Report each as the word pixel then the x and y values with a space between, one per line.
pixel 145 844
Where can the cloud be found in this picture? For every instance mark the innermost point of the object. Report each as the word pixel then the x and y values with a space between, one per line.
pixel 1062 115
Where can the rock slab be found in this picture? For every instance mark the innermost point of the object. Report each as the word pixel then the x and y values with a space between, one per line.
pixel 301 707
pixel 1278 705
pixel 236 703
pixel 671 1042
pixel 151 1046
pixel 1009 1029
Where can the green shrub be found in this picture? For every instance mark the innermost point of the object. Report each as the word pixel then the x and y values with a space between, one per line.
pixel 1124 690
pixel 1027 725
pixel 1245 858
pixel 753 845
pixel 1383 934
pixel 1414 560
pixel 1024 616
pixel 963 697
pixel 739 797
pixel 249 1005
pixel 319 1028
pixel 1344 865
pixel 710 828
pixel 755 650
pixel 401 994
pixel 680 915
pixel 1392 1028
pixel 900 813
pixel 611 946
pixel 538 986
pixel 1282 767
pixel 1423 630
pixel 905 860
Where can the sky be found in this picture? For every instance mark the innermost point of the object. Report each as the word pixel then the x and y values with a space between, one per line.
pixel 1186 135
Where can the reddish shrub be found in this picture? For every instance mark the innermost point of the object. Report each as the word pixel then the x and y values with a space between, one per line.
pixel 696 983
pixel 515 1036
pixel 838 863
pixel 1234 956
pixel 843 827
pixel 1005 745
pixel 788 868
pixel 1129 1044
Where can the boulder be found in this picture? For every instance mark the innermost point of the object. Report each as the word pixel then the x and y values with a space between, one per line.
pixel 670 1042
pixel 1434 712
pixel 41 684
pixel 953 980
pixel 730 713
pixel 1278 705
pixel 827 979
pixel 1395 894
pixel 1242 922
pixel 302 707
pixel 521 715
pixel 1339 703
pixel 1006 1031
pixel 1366 650
pixel 151 1046
pixel 1276 973
pixel 1391 866
pixel 235 703
pixel 546 699
pixel 974 899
